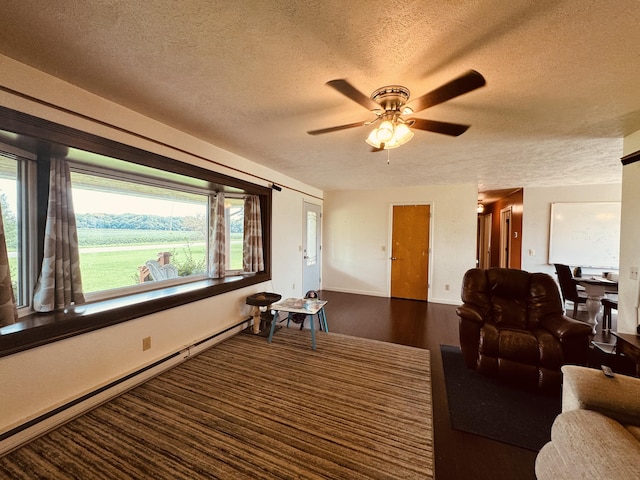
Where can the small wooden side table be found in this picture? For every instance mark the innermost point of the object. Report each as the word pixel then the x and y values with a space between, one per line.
pixel 628 345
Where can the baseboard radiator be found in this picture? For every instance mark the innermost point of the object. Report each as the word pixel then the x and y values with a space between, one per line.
pixel 24 433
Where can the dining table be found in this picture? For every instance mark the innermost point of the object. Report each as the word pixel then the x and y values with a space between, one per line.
pixel 595 287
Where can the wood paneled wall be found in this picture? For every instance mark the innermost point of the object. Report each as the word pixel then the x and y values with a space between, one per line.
pixel 515 201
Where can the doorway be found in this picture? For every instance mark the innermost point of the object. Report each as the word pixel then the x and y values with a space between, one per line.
pixel 311 234
pixel 410 251
pixel 505 237
pixel 484 240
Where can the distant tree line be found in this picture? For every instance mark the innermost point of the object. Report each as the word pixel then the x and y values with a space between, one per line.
pixel 125 221
pixel 131 221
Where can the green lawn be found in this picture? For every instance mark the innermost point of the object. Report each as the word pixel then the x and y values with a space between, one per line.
pixel 102 237
pixel 108 270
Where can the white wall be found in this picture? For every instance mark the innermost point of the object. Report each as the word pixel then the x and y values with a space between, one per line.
pixel 536 218
pixel 288 256
pixel 36 380
pixel 357 230
pixel 628 289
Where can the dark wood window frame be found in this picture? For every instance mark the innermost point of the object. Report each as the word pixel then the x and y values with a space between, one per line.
pixel 39 329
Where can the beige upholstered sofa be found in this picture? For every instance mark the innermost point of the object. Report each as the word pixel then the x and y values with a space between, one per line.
pixel 597 435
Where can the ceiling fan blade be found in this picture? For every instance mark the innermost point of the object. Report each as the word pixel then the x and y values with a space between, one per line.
pixel 348 90
pixel 463 84
pixel 335 129
pixel 446 128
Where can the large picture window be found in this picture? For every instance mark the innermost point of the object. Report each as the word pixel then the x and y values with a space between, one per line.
pixel 142 223
pixel 131 233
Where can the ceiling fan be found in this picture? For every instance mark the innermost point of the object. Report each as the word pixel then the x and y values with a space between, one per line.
pixel 391 103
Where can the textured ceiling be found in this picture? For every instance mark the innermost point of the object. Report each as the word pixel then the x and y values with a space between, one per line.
pixel 562 80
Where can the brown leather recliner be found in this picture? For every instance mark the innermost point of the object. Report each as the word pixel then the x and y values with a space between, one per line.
pixel 512 326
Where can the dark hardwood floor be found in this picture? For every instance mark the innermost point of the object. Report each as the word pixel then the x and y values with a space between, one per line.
pixel 458 455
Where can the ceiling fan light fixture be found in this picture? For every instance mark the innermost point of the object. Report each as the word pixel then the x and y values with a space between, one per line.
pixel 402 134
pixel 385 131
pixel 372 139
pixel 380 138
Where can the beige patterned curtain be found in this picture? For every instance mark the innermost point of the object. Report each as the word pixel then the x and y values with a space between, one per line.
pixel 217 235
pixel 8 309
pixel 252 253
pixel 60 283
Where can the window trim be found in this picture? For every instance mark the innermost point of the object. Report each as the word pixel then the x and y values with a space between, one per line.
pixel 39 329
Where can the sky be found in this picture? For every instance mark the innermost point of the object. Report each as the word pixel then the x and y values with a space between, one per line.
pixel 92 201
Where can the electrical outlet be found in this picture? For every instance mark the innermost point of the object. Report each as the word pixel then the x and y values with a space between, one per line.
pixel 633 273
pixel 146 343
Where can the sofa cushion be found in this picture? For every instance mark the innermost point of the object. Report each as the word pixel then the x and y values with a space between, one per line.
pixel 590 445
pixel 633 430
pixel 550 465
pixel 588 388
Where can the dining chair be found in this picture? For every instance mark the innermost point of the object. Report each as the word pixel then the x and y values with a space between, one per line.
pixel 568 287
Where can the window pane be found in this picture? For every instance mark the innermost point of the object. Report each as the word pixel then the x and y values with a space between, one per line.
pixel 130 233
pixel 234 216
pixel 312 234
pixel 10 217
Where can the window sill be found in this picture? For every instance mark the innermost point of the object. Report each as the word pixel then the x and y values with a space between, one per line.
pixel 39 329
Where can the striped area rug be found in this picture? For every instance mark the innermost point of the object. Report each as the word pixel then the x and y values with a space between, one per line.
pixel 246 409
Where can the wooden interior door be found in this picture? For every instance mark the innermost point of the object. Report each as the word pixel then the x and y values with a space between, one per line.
pixel 410 252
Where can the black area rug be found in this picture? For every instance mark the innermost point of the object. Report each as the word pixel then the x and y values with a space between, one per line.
pixel 486 407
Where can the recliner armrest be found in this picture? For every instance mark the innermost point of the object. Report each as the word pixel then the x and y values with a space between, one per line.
pixel 469 312
pixel 590 389
pixel 562 326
